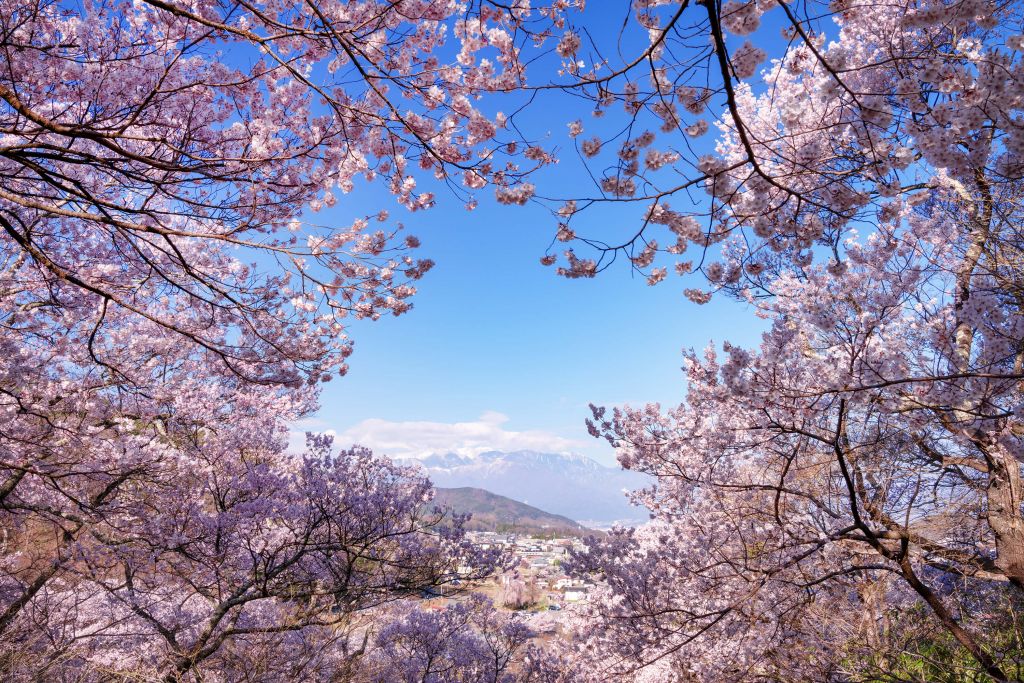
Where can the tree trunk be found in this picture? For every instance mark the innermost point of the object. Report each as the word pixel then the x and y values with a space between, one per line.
pixel 1004 516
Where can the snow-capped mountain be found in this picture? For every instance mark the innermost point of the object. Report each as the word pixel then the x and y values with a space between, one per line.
pixel 571 485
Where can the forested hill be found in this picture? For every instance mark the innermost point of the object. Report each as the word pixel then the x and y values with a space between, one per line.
pixel 566 484
pixel 492 512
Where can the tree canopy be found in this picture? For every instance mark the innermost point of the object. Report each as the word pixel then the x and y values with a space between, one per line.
pixel 842 503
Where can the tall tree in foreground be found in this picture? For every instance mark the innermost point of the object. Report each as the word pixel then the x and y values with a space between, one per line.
pixel 863 196
pixel 161 321
pixel 159 159
pixel 166 308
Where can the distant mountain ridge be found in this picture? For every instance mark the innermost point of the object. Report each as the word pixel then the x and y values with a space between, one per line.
pixel 572 486
pixel 491 512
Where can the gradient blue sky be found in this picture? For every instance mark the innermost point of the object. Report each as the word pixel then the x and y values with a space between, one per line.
pixel 493 333
pixel 498 351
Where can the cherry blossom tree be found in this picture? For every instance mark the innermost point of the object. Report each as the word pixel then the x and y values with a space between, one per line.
pixel 157 157
pixel 217 552
pixel 857 108
pixel 863 195
pixel 169 306
pixel 467 642
pixel 517 593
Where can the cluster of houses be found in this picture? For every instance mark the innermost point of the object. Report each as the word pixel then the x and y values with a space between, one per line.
pixel 540 561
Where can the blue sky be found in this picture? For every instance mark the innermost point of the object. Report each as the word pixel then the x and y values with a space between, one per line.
pixel 494 333
pixel 498 351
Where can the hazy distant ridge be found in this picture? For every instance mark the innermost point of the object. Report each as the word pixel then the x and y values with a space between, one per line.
pixel 492 512
pixel 572 486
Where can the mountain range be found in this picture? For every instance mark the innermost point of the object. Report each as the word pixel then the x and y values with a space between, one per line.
pixel 573 486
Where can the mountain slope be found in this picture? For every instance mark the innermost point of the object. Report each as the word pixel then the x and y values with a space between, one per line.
pixel 492 512
pixel 569 485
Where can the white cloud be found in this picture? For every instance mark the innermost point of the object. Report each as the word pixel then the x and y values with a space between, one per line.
pixel 297 433
pixel 421 438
